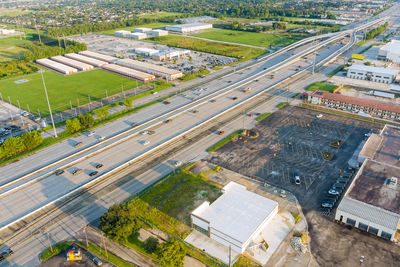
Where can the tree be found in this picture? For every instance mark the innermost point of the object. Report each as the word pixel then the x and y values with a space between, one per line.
pixel 171 253
pixel 86 120
pixel 150 244
pixel 128 102
pixel 31 140
pixel 101 113
pixel 72 126
pixel 13 146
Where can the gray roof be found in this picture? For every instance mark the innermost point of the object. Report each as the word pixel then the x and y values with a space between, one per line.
pixel 358 67
pixel 369 212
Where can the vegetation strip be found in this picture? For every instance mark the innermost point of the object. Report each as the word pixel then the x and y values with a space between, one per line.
pixel 224 141
pixel 321 86
pixel 282 104
pixel 263 116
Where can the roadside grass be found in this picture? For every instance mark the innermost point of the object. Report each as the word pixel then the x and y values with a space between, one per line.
pixel 282 104
pixel 361 43
pixel 177 195
pixel 224 141
pixel 243 53
pixel 191 76
pixel 332 73
pixel 366 49
pixel 217 68
pixel 243 261
pixel 62 89
pixel 57 248
pixel 249 38
pixel 263 116
pixel 111 257
pixel 321 86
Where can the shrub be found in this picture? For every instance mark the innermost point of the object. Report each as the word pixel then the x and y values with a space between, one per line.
pixel 150 245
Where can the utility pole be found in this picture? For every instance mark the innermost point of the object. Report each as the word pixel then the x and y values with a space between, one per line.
pixel 48 103
pixel 230 256
pixel 104 243
pixel 48 238
pixel 84 229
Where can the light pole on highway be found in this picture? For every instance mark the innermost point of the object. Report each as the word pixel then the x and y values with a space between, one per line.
pixel 48 103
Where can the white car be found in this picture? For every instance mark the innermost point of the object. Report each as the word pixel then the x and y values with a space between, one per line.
pixel 101 137
pixel 90 133
pixel 333 192
pixel 154 93
pixel 319 116
pixel 144 132
pixel 145 142
pixel 177 163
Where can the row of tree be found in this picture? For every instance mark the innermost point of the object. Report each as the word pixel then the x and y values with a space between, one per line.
pixel 375 32
pixel 120 222
pixel 19 144
pixel 80 123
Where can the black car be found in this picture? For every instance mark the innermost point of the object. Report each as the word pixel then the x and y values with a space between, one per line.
pixel 59 172
pixel 93 173
pixel 166 102
pixel 234 98
pixel 98 165
pixel 76 171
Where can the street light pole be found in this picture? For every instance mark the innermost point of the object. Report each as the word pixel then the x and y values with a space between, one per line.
pixel 48 103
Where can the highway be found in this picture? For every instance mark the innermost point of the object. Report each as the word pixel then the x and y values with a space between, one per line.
pixel 38 186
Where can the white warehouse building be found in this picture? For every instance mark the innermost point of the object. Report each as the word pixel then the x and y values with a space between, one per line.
pixel 370 73
pixel 188 27
pixel 236 218
pixel 157 33
pixel 168 74
pixel 390 52
pixel 137 35
pixel 122 33
pixel 372 202
pixel 64 69
pixel 143 30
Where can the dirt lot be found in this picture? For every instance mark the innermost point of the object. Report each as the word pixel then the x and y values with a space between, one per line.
pixel 291 140
pixel 335 245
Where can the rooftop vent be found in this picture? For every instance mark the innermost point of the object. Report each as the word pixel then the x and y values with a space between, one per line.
pixel 392 183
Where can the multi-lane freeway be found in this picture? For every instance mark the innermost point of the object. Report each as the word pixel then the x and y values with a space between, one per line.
pixel 32 194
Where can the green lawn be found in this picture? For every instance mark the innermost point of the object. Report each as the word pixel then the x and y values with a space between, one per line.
pixel 282 104
pixel 155 25
pixel 321 86
pixel 263 116
pixel 62 89
pixel 9 49
pixel 223 141
pixel 249 38
pixel 241 52
pixel 57 248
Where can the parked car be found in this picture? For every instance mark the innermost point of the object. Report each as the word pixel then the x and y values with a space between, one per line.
pixel 177 163
pixel 59 172
pixel 333 192
pixel 98 165
pixel 327 205
pixel 93 173
pixel 297 177
pixel 97 261
pixel 319 116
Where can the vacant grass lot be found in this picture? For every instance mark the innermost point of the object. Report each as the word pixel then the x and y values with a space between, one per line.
pixel 249 38
pixel 9 49
pixel 62 89
pixel 241 52
pixel 321 86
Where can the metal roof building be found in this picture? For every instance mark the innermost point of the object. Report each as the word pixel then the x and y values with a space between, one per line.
pixel 88 60
pixel 64 69
pixel 188 27
pixel 370 73
pixel 235 218
pixel 390 51
pixel 72 63
pixel 372 202
pixel 169 74
pixel 157 33
pixel 144 30
pixel 99 56
pixel 144 77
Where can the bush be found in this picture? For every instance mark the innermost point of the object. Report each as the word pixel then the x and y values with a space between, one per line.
pixel 150 245
pixel 171 253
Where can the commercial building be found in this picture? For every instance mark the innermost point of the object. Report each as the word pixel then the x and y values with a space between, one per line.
pixel 390 52
pixel 355 104
pixel 138 75
pixel 189 27
pixel 166 73
pixel 157 33
pixel 166 55
pixel 145 51
pixel 122 33
pixel 72 63
pixel 88 60
pixel 372 202
pixel 236 218
pixel 64 69
pixel 370 73
pixel 6 31
pixel 143 30
pixel 137 35
pixel 99 56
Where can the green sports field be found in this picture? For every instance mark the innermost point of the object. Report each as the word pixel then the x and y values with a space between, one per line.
pixel 62 89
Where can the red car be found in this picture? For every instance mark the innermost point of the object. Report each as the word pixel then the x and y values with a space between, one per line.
pixel 221 132
pixel 300 66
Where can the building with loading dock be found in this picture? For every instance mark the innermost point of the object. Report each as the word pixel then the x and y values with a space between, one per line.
pixel 372 202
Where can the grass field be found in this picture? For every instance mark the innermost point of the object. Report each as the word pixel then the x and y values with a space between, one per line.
pixel 321 86
pixel 9 49
pixel 62 89
pixel 249 38
pixel 12 11
pixel 241 52
pixel 155 25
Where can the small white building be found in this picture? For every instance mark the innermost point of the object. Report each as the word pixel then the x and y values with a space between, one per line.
pixel 157 33
pixel 6 31
pixel 370 73
pixel 137 35
pixel 189 27
pixel 390 52
pixel 236 218
pixel 142 30
pixel 122 33
pixel 146 51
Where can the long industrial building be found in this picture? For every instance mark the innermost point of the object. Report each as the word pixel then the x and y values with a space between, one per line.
pixel 370 73
pixel 166 73
pixel 372 202
pixel 189 27
pixel 72 63
pixel 64 69
pixel 88 60
pixel 390 52
pixel 138 75
pixel 99 56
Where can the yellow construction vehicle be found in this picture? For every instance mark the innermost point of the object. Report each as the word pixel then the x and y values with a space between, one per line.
pixel 74 253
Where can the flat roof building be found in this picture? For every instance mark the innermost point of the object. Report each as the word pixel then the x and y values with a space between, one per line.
pixel 390 52
pixel 99 56
pixel 88 60
pixel 145 51
pixel 122 33
pixel 72 63
pixel 188 27
pixel 138 75
pixel 372 202
pixel 64 69
pixel 235 218
pixel 166 55
pixel 370 73
pixel 143 30
pixel 168 74
pixel 157 33
pixel 137 35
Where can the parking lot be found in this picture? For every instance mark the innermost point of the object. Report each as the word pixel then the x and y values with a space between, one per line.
pixel 291 141
pixel 124 47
